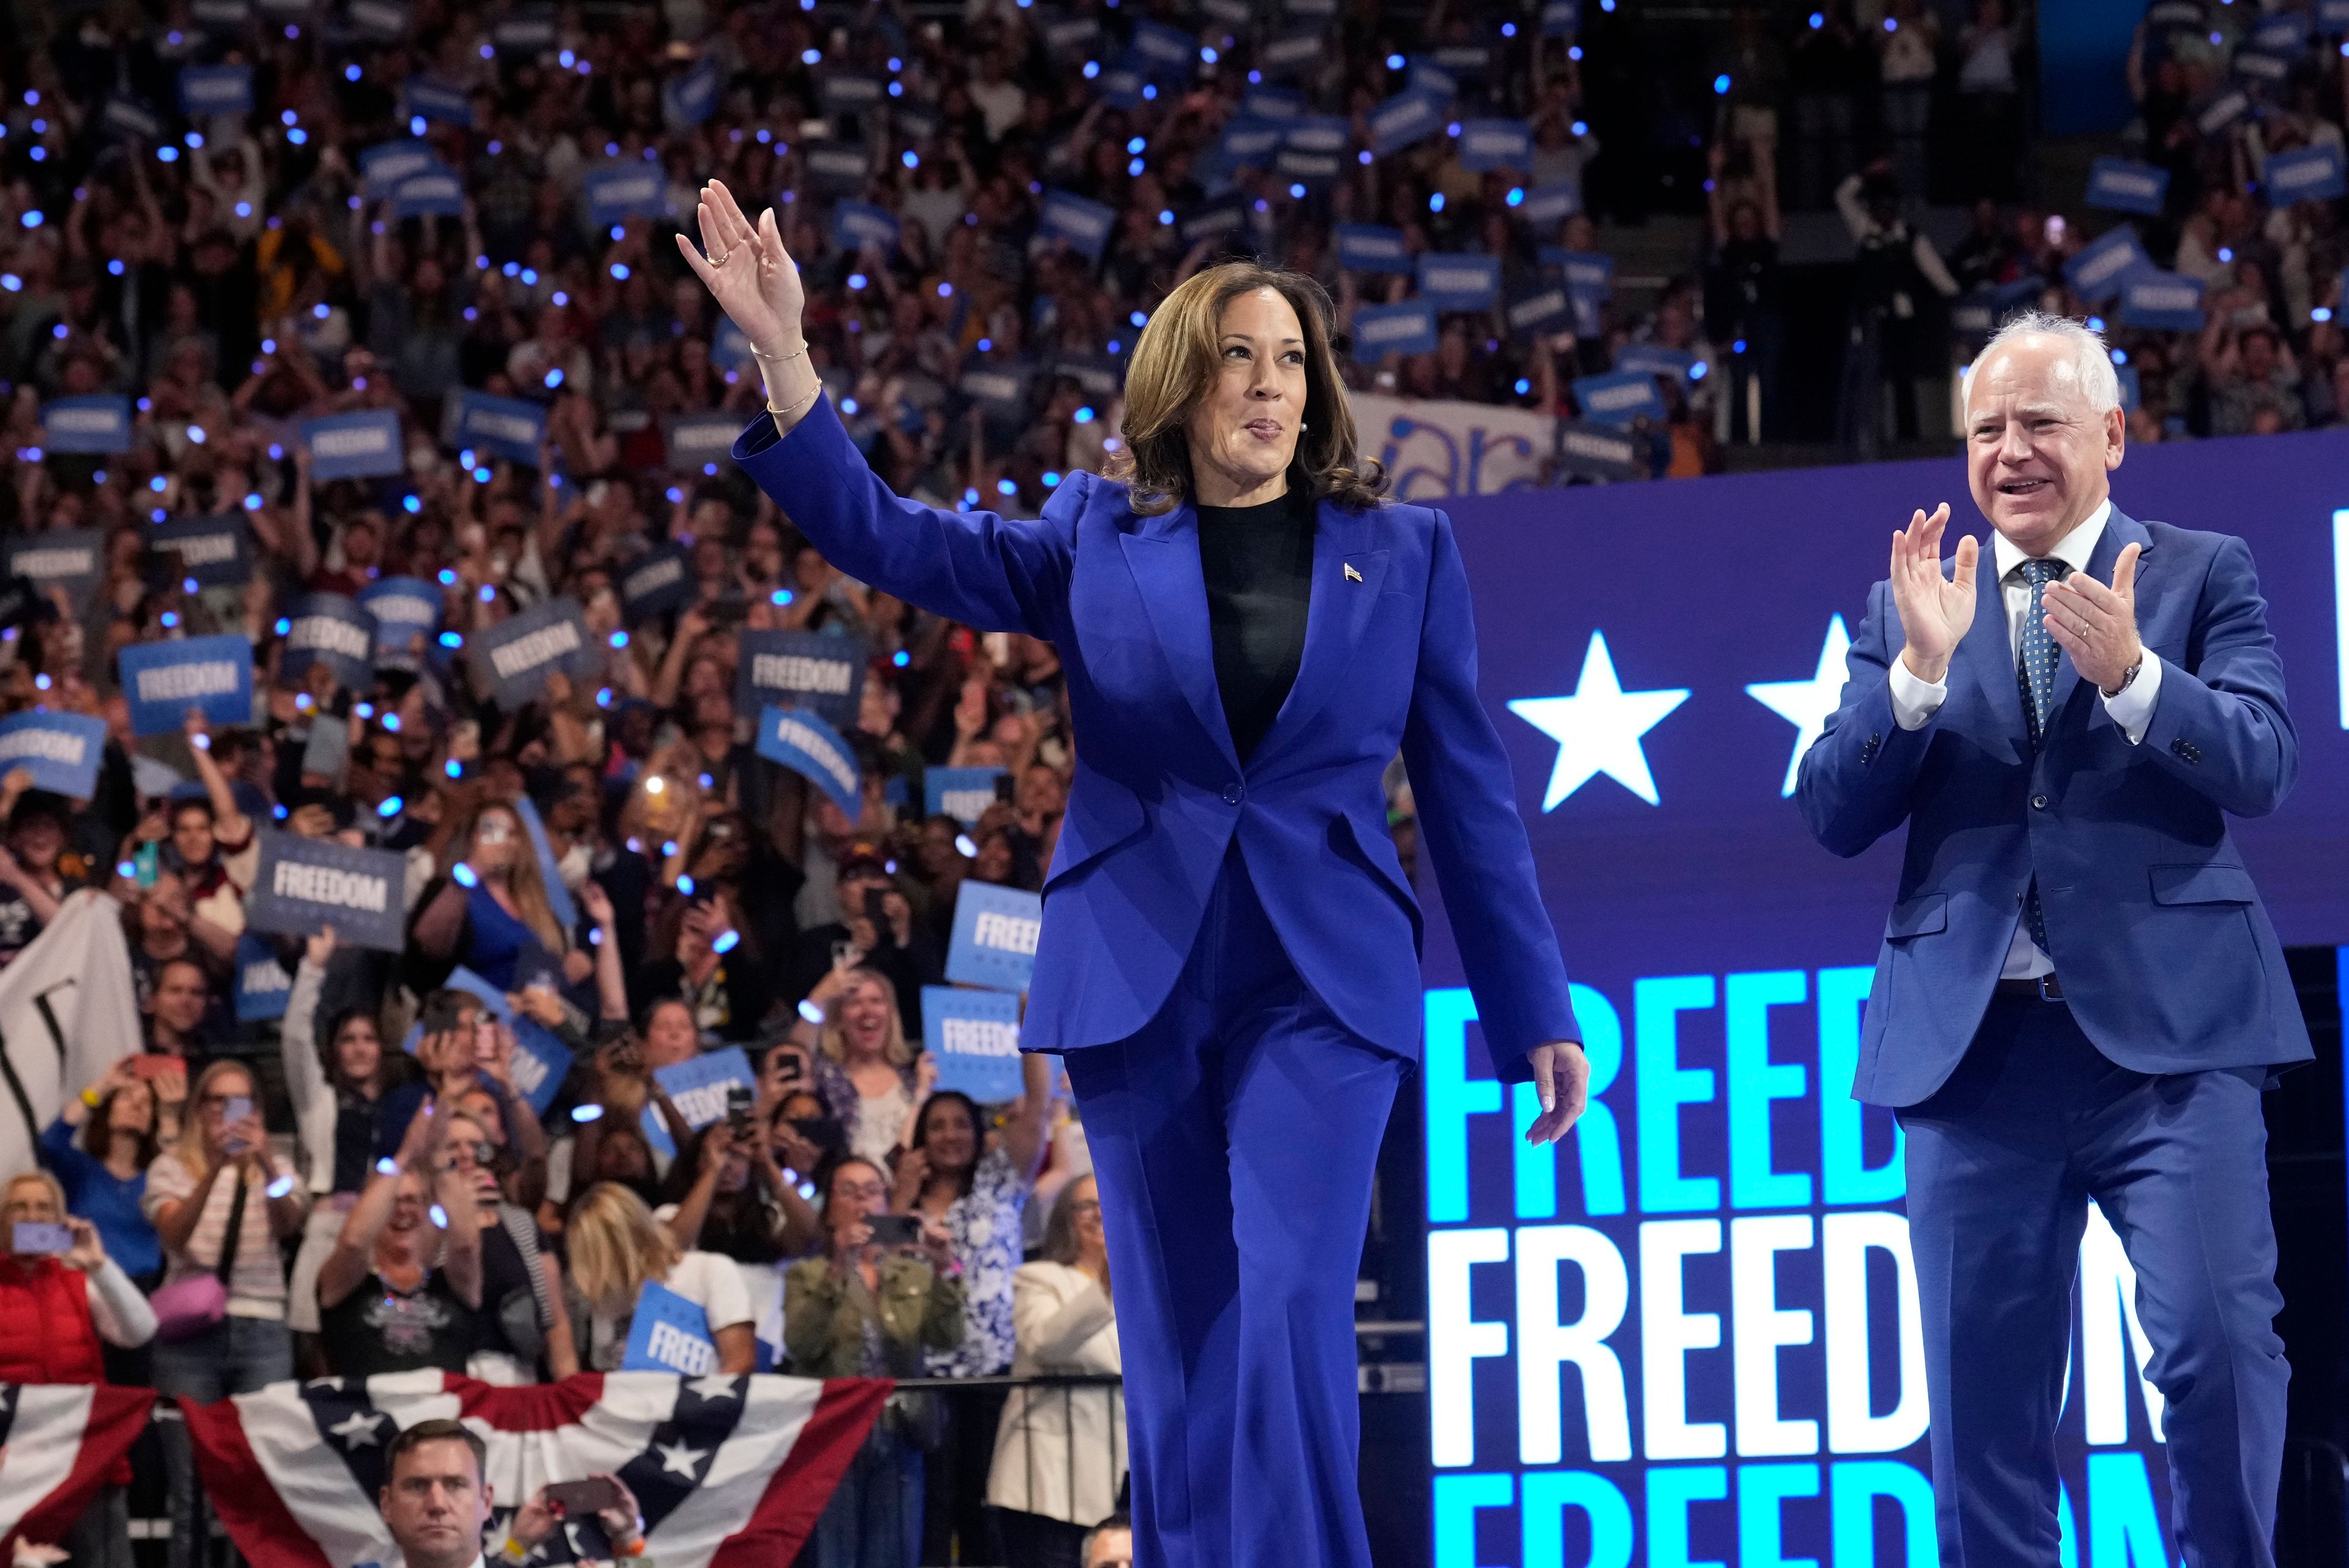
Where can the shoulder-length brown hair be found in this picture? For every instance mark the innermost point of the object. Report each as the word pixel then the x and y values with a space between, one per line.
pixel 1177 360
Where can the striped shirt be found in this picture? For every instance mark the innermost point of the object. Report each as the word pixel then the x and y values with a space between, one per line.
pixel 256 1286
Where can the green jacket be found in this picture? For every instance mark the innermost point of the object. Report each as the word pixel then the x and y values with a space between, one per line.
pixel 825 1310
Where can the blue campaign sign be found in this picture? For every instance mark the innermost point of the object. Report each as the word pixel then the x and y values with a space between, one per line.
pixel 1164 52
pixel 1585 272
pixel 812 669
pixel 435 193
pixel 1369 247
pixel 438 101
pixel 332 630
pixel 689 99
pixel 1460 280
pixel 2163 301
pixel 263 984
pixel 2132 388
pixel 1655 359
pixel 963 794
pixel 386 164
pixel 550 870
pixel 98 423
pixel 163 680
pixel 67 558
pixel 1559 18
pixel 670 1333
pixel 1251 143
pixel 2220 109
pixel 2333 15
pixel 407 612
pixel 382 20
pixel 619 189
pixel 1600 452
pixel 1489 144
pixel 1603 1313
pixel 994 939
pixel 2285 33
pixel 845 92
pixel 2312 173
pixel 2125 185
pixel 362 445
pixel 1619 397
pixel 1551 203
pixel 1539 308
pixel 1084 224
pixel 2098 270
pixel 701 441
pixel 1383 330
pixel 506 427
pixel 215 90
pixel 1405 120
pixel 129 118
pixel 2262 66
pixel 512 658
pixel 974 1037
pixel 1294 52
pixel 60 751
pixel 855 225
pixel 812 749
pixel 216 552
pixel 1429 76
pixel 541 1063
pixel 838 165
pixel 698 1087
pixel 304 884
pixel 1273 103
pixel 656 582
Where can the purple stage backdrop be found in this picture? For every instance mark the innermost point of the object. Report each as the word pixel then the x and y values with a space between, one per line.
pixel 1689 1334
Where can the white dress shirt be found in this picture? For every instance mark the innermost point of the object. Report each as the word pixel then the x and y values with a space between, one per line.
pixel 1914 700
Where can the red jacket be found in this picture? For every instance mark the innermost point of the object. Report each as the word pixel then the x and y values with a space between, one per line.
pixel 47 1335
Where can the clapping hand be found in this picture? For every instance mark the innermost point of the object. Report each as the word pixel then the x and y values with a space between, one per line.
pixel 2098 625
pixel 1935 611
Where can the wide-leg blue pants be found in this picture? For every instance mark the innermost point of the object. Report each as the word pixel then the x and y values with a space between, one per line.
pixel 2002 1163
pixel 1234 1139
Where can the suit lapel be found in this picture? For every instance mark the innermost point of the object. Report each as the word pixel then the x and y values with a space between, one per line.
pixel 2119 532
pixel 1336 614
pixel 1163 556
pixel 1988 650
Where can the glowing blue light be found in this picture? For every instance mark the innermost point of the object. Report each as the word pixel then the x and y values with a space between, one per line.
pixel 32 220
pixel 848 405
pixel 170 620
pixel 1207 53
pixel 684 884
pixel 724 942
pixel 1396 62
pixel 1819 20
pixel 415 125
pixel 984 344
pixel 2226 253
pixel 1435 202
pixel 464 875
pixel 188 584
pixel 1524 385
pixel 1297 192
pixel 1138 319
pixel 586 1113
pixel 945 291
pixel 1453 129
pixel 297 135
pixel 566 59
pixel 1721 85
pixel 2095 324
pixel 780 596
pixel 167 154
pixel 857 280
pixel 603 697
pixel 11 282
pixel 481 476
pixel 811 1010
pixel 554 378
pixel 411 502
pixel 440 1217
pixel 530 277
pixel 125 869
pixel 350 73
pixel 2120 356
pixel 253 501
pixel 1007 487
pixel 1508 29
pixel 448 576
pixel 901 658
pixel 910 159
pixel 810 57
pixel 387 1165
pixel 1084 416
pixel 1093 70
pixel 964 847
pixel 1363 157
pixel 1051 479
pixel 1517 196
pixel 620 271
pixel 1135 144
pixel 451 639
pixel 392 723
pixel 2321 313
pixel 1133 167
pixel 1696 371
pixel 1150 91
pixel 970 496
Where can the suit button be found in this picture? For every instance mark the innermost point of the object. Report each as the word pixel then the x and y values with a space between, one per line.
pixel 1234 793
pixel 2039 803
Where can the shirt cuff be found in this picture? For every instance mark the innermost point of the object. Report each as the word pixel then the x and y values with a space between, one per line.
pixel 2131 708
pixel 1916 699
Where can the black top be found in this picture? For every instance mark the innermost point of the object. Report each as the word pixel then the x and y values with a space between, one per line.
pixel 379 1329
pixel 1258 563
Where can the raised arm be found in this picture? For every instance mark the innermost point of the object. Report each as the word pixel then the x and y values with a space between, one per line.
pixel 991 572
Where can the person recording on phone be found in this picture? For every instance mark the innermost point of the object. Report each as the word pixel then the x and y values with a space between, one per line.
pixel 64 1304
pixel 876 930
pixel 1228 953
pixel 491 913
pixel 437 1504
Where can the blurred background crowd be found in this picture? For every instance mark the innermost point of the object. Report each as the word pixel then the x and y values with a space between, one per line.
pixel 1792 222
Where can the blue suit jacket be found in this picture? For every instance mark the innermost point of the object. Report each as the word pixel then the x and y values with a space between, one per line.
pixel 1159 794
pixel 2165 956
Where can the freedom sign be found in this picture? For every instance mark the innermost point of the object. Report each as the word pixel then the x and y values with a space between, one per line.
pixel 963 794
pixel 2312 173
pixel 64 558
pixel 698 1087
pixel 304 883
pixel 262 986
pixel 618 191
pixel 387 164
pixel 1369 247
pixel 2098 272
pixel 407 612
pixel 100 424
pixel 216 89
pixel 1084 224
pixel 812 669
pixel 1619 399
pixel 974 1037
pixel 668 1334
pixel 505 427
pixel 994 939
pixel 1459 280
pixel 364 445
pixel 2125 185
pixel 163 680
pixel 655 582
pixel 1383 330
pixel 511 658
pixel 332 630
pixel 60 751
pixel 215 552
pixel 813 750
pixel 2162 301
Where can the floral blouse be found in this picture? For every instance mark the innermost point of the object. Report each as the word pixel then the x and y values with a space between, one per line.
pixel 985 1227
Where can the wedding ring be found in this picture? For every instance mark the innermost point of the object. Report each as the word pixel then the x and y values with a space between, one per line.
pixel 719 259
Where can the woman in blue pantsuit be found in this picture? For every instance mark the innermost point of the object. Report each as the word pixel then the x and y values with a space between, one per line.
pixel 1228 959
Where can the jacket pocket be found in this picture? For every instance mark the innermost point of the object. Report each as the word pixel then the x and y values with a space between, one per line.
pixel 2201 885
pixel 1918 916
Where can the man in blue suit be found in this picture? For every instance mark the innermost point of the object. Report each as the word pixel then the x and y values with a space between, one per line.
pixel 2079 996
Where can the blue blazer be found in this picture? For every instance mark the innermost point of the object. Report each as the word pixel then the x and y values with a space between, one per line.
pixel 1390 661
pixel 2165 955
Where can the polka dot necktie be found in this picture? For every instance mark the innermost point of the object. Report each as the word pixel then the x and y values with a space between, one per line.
pixel 2035 672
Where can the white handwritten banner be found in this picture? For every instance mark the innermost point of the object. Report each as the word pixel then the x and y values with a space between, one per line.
pixel 1435 447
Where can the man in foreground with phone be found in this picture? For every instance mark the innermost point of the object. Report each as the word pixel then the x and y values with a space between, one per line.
pixel 436 1502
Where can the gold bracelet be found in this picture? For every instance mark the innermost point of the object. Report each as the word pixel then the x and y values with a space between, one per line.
pixel 774 413
pixel 798 353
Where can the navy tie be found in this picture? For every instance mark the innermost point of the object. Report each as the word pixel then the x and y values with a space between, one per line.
pixel 2034 672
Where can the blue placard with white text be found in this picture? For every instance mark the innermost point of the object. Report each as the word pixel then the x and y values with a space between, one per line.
pixel 1619 397
pixel 974 1038
pixel 507 427
pixel 1369 247
pixel 386 164
pixel 305 884
pixel 60 751
pixel 98 424
pixel 514 657
pixel 811 670
pixel 541 1063
pixel 2098 272
pixel 963 794
pixel 994 940
pixel 2125 185
pixel 1489 144
pixel 216 551
pixel 2311 173
pixel 550 870
pixel 1083 224
pixel 670 1333
pixel 262 985
pixel 67 558
pixel 698 1087
pixel 1460 280
pixel 216 89
pixel 621 190
pixel 332 630
pixel 1383 330
pixel 804 743
pixel 361 445
pixel 2162 301
pixel 163 680
pixel 656 582
pixel 437 101
pixel 407 612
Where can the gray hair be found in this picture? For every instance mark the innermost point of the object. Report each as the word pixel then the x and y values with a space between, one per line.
pixel 2089 366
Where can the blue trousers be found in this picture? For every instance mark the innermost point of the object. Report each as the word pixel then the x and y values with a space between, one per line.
pixel 1234 1139
pixel 2002 1163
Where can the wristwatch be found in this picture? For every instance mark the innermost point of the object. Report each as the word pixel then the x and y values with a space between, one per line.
pixel 2127 676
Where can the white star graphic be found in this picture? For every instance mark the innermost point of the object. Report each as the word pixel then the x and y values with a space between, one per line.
pixel 717 1385
pixel 677 1459
pixel 1597 729
pixel 1805 704
pixel 358 1430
